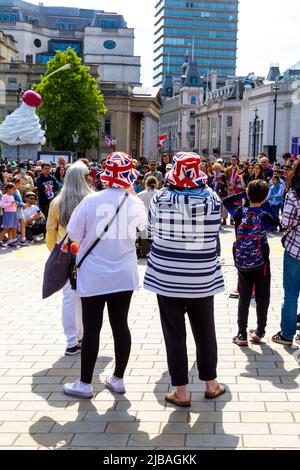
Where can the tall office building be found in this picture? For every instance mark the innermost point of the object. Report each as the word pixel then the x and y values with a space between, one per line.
pixel 205 30
pixel 99 37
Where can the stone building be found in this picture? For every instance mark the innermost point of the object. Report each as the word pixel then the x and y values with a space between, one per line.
pixel 131 120
pixel 180 103
pixel 98 37
pixel 8 48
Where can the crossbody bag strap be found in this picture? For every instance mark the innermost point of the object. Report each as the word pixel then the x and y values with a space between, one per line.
pixel 104 231
pixel 293 229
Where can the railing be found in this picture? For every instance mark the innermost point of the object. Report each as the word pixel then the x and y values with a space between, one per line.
pixel 22 67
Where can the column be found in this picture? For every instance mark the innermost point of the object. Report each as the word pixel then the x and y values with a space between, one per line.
pixel 150 136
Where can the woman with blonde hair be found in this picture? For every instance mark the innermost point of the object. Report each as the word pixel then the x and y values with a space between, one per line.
pixel 75 189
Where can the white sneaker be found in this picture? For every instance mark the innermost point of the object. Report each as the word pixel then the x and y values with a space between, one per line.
pixel 78 389
pixel 115 385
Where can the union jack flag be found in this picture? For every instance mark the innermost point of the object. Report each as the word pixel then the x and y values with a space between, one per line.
pixel 108 141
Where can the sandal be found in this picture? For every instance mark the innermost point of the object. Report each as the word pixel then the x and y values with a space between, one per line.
pixel 172 398
pixel 220 390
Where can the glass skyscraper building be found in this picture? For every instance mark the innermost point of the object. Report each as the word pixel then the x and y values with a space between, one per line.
pixel 206 30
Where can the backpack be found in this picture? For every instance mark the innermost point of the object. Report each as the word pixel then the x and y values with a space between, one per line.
pixel 250 238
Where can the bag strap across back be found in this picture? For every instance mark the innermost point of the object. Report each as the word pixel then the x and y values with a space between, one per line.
pixel 104 231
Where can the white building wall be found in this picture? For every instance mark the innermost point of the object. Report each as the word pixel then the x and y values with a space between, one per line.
pixel 288 118
pixel 115 65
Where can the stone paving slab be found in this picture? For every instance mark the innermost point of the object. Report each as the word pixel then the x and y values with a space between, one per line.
pixel 261 409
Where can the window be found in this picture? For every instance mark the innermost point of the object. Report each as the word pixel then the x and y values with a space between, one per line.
pixel 66 26
pixel 228 143
pixel 229 121
pixel 37 42
pixel 193 100
pixel 12 81
pixel 194 81
pixel 107 126
pixel 109 44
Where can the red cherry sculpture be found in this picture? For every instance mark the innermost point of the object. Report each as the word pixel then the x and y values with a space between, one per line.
pixel 31 98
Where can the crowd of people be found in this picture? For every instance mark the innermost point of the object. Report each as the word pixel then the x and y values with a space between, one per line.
pixel 187 199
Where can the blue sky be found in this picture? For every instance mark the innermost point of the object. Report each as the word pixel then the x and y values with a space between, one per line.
pixel 268 31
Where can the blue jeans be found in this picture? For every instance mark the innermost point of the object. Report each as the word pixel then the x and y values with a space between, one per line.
pixel 291 285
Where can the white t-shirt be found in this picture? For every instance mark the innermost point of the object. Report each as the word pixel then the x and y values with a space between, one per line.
pixel 112 265
pixel 147 196
pixel 30 211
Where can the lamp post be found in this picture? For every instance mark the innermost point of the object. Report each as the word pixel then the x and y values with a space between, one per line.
pixel 239 143
pixel 275 89
pixel 114 144
pixel 19 94
pixel 18 140
pixel 255 133
pixel 75 138
pixel 170 143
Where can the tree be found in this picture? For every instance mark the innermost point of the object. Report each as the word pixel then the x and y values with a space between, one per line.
pixel 71 102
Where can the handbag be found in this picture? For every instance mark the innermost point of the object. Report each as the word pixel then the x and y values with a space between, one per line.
pixel 57 269
pixel 283 240
pixel 74 266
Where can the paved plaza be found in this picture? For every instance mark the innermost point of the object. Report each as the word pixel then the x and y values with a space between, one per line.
pixel 260 411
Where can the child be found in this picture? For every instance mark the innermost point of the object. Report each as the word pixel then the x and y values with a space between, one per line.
pixel 251 254
pixel 276 194
pixel 20 215
pixel 10 220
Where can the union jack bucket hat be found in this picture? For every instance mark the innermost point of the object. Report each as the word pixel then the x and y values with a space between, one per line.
pixel 119 172
pixel 186 171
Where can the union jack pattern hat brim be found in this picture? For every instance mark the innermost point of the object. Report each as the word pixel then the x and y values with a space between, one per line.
pixel 186 171
pixel 119 172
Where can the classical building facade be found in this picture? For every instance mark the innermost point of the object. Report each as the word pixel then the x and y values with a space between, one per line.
pixel 218 122
pixel 131 121
pixel 181 100
pixel 8 48
pixel 207 27
pixel 257 120
pixel 98 37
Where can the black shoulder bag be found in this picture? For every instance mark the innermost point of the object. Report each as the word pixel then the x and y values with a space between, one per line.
pixel 75 266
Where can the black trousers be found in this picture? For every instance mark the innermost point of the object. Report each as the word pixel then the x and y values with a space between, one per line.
pixel 92 317
pixel 35 229
pixel 262 281
pixel 201 316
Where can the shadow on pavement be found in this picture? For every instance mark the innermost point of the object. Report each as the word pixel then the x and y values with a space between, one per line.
pixel 92 429
pixel 266 352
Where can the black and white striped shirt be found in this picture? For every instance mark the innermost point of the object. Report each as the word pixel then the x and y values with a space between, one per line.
pixel 183 261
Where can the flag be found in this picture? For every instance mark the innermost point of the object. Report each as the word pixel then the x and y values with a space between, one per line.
pixel 107 141
pixel 163 138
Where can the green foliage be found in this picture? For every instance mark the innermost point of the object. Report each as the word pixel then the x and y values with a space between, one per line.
pixel 71 101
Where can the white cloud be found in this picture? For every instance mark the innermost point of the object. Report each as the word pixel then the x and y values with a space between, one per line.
pixel 268 31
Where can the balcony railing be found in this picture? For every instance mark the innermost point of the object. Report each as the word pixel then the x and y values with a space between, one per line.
pixel 22 67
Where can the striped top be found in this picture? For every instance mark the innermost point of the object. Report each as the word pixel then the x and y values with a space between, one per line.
pixel 183 261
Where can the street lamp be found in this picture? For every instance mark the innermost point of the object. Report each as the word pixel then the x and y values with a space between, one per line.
pixel 255 133
pixel 275 89
pixel 75 138
pixel 18 140
pixel 19 94
pixel 114 144
pixel 239 143
pixel 170 143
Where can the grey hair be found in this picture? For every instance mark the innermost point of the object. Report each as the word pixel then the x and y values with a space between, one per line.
pixel 74 190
